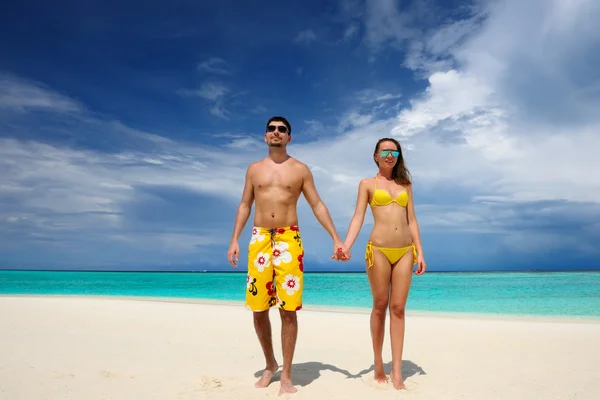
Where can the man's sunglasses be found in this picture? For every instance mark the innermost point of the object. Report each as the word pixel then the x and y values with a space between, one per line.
pixel 384 153
pixel 280 128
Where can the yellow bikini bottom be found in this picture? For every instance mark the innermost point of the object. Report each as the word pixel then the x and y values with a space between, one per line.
pixel 393 254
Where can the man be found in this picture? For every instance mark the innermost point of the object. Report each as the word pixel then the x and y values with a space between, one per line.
pixel 275 252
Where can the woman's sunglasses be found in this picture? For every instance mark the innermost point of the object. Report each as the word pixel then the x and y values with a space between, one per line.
pixel 384 153
pixel 280 128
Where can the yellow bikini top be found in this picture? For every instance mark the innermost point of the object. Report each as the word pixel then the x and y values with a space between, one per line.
pixel 383 198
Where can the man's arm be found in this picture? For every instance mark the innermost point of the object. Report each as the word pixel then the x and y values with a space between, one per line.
pixel 245 207
pixel 319 209
pixel 241 217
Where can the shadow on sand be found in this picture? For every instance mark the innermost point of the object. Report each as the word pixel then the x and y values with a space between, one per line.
pixel 409 369
pixel 306 373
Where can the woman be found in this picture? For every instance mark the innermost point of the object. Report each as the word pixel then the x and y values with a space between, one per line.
pixel 394 247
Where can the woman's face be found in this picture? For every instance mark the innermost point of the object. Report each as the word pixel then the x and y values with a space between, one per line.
pixel 387 154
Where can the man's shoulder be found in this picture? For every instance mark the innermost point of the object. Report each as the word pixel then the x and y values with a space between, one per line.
pixel 297 163
pixel 256 164
pixel 299 166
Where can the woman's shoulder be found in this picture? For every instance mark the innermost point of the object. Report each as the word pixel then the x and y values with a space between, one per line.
pixel 367 181
pixel 367 185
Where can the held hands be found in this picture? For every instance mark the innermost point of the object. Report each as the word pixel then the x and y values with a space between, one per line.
pixel 340 252
pixel 233 254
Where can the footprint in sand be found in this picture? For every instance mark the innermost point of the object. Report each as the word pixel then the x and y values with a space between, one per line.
pixel 106 374
pixel 60 375
pixel 206 384
pixel 111 375
pixel 210 383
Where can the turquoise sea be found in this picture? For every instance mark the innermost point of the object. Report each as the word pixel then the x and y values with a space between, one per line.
pixel 575 294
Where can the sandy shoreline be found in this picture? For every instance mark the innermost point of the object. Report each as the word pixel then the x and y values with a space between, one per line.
pixel 330 309
pixel 75 347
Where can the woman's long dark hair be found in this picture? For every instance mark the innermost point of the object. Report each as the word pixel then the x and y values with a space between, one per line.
pixel 400 173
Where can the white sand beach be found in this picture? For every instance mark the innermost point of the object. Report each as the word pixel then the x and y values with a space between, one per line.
pixel 99 348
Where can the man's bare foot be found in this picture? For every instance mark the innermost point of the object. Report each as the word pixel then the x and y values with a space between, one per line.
pixel 398 381
pixel 266 377
pixel 287 387
pixel 380 375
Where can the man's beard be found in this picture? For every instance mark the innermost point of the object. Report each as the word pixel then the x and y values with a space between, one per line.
pixel 273 144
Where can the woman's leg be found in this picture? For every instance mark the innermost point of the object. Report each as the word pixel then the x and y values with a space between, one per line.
pixel 401 279
pixel 379 281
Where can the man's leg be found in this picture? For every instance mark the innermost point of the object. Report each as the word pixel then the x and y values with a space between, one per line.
pixel 262 325
pixel 289 275
pixel 261 296
pixel 289 334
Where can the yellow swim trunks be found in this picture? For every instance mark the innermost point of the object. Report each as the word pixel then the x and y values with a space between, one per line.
pixel 275 269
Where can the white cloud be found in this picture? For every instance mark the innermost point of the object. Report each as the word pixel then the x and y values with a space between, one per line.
pixel 218 110
pixel 385 24
pixel 208 91
pixel 429 51
pixel 314 125
pixel 215 65
pixel 258 109
pixel 350 32
pixel 355 119
pixel 21 95
pixel 370 96
pixel 214 92
pixel 450 95
pixel 466 132
pixel 68 198
pixel 467 127
pixel 56 188
pixel 306 37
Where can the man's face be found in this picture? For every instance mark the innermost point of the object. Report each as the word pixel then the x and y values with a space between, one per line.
pixel 277 134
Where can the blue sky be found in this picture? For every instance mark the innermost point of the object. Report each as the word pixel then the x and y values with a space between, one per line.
pixel 126 129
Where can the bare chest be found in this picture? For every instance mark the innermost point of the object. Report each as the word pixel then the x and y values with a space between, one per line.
pixel 277 179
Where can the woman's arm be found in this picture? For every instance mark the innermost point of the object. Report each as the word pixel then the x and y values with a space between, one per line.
pixel 356 223
pixel 413 225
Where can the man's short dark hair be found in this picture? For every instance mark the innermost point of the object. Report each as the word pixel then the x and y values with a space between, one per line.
pixel 281 119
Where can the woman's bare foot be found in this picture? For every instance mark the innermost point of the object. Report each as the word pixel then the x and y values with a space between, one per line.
pixel 267 374
pixel 397 380
pixel 380 375
pixel 286 386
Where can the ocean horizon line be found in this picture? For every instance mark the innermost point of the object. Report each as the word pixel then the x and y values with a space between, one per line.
pixel 203 271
